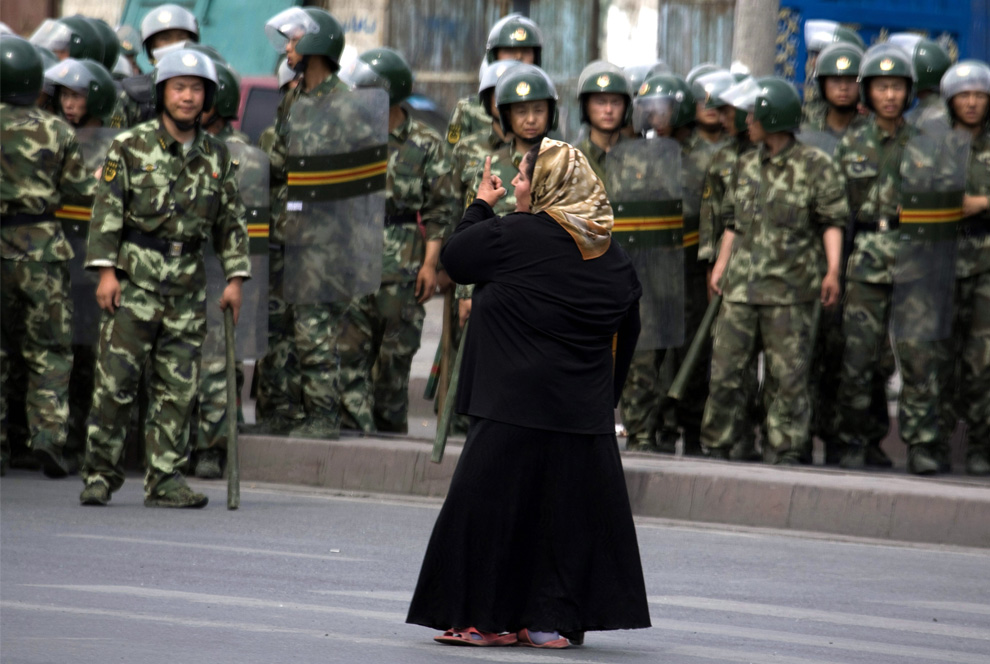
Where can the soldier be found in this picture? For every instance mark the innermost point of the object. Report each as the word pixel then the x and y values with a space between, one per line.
pixel 966 90
pixel 605 98
pixel 42 166
pixel 381 331
pixel 707 123
pixel 302 388
pixel 873 159
pixel 836 77
pixel 780 253
pixel 163 25
pixel 819 33
pixel 286 79
pixel 930 64
pixel 166 187
pixel 513 37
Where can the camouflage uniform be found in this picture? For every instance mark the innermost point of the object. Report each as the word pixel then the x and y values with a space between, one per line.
pixel 42 166
pixel 778 206
pixel 870 158
pixel 210 410
pixel 970 352
pixel 815 107
pixel 301 368
pixel 381 332
pixel 596 155
pixel 469 118
pixel 152 192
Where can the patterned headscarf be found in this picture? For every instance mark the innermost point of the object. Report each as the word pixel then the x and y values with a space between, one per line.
pixel 565 187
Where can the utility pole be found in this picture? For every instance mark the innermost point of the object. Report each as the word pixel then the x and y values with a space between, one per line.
pixel 755 40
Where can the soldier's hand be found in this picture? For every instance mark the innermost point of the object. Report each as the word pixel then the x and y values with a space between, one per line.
pixel 975 205
pixel 232 297
pixel 426 283
pixel 830 290
pixel 715 278
pixel 108 290
pixel 463 310
pixel 490 189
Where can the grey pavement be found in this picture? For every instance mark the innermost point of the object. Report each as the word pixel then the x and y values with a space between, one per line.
pixel 298 575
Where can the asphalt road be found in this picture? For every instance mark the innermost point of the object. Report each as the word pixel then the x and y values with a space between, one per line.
pixel 302 576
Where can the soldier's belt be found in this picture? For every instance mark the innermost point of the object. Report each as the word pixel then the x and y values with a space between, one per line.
pixel 401 219
pixel 931 215
pixel 333 177
pixel 24 219
pixel 650 223
pixel 167 248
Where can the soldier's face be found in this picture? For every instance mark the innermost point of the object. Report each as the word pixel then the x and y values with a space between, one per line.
pixel 705 116
pixel 756 133
pixel 522 185
pixel 73 105
pixel 184 97
pixel 527 55
pixel 529 119
pixel 606 110
pixel 727 116
pixel 971 107
pixel 888 96
pixel 290 52
pixel 841 91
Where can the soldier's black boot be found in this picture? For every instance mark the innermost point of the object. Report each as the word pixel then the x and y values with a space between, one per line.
pixel 922 460
pixel 853 457
pixel 876 457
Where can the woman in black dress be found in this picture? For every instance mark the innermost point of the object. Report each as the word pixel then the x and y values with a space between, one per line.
pixel 535 543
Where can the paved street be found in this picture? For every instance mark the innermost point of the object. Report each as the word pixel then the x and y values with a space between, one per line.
pixel 306 576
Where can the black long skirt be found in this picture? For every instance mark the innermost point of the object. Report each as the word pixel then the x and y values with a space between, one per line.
pixel 536 532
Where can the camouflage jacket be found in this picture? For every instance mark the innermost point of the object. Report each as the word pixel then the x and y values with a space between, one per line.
pixel 718 180
pixel 596 155
pixel 818 123
pixel 779 206
pixel 974 249
pixel 468 165
pixel 418 180
pixel 42 167
pixel 815 108
pixel 279 149
pixel 870 159
pixel 696 158
pixel 151 184
pixel 469 118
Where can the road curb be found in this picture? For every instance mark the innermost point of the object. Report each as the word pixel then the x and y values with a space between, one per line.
pixel 880 506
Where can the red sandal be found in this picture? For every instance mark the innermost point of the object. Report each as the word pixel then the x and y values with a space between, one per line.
pixel 524 639
pixel 465 637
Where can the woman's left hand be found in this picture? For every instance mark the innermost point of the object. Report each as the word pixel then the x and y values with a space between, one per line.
pixel 490 189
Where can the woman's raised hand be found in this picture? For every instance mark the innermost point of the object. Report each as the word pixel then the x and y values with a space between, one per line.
pixel 490 189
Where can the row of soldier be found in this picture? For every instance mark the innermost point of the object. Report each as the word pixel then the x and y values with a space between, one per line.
pixel 367 343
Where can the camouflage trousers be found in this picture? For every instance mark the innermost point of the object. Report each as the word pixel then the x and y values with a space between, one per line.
pixel 379 337
pixel 865 322
pixel 210 409
pixel 168 330
pixel 687 412
pixel 641 395
pixel 36 331
pixel 279 390
pixel 968 362
pixel 785 331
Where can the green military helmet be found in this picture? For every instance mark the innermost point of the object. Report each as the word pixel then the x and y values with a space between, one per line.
pixel 837 59
pixel 167 17
pixel 639 73
pixel 819 33
pixel 185 63
pixel 886 60
pixel 524 83
pixel 778 105
pixel 388 70
pixel 85 77
pixel 111 45
pixel 700 70
pixel 515 31
pixel 929 58
pixel 490 73
pixel 228 99
pixel 604 77
pixel 129 39
pixel 72 35
pixel 673 87
pixel 965 76
pixel 706 88
pixel 21 71
pixel 742 97
pixel 318 33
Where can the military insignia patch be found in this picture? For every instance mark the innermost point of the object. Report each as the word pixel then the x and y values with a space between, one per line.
pixel 603 81
pixel 189 60
pixel 453 134
pixel 164 16
pixel 110 170
pixel 643 89
pixel 518 35
pixel 843 63
pixel 886 64
pixel 522 89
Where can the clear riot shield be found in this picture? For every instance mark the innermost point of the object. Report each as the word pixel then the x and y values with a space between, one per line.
pixel 644 186
pixel 337 160
pixel 933 180
pixel 251 333
pixel 823 140
pixel 75 215
pixel 694 167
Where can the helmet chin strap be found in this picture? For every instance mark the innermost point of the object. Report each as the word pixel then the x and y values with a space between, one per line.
pixel 181 125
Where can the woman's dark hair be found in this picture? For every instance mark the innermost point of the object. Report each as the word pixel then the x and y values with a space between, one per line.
pixel 531 156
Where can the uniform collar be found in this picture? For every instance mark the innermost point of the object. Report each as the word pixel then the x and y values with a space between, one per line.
pixel 401 133
pixel 168 143
pixel 779 158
